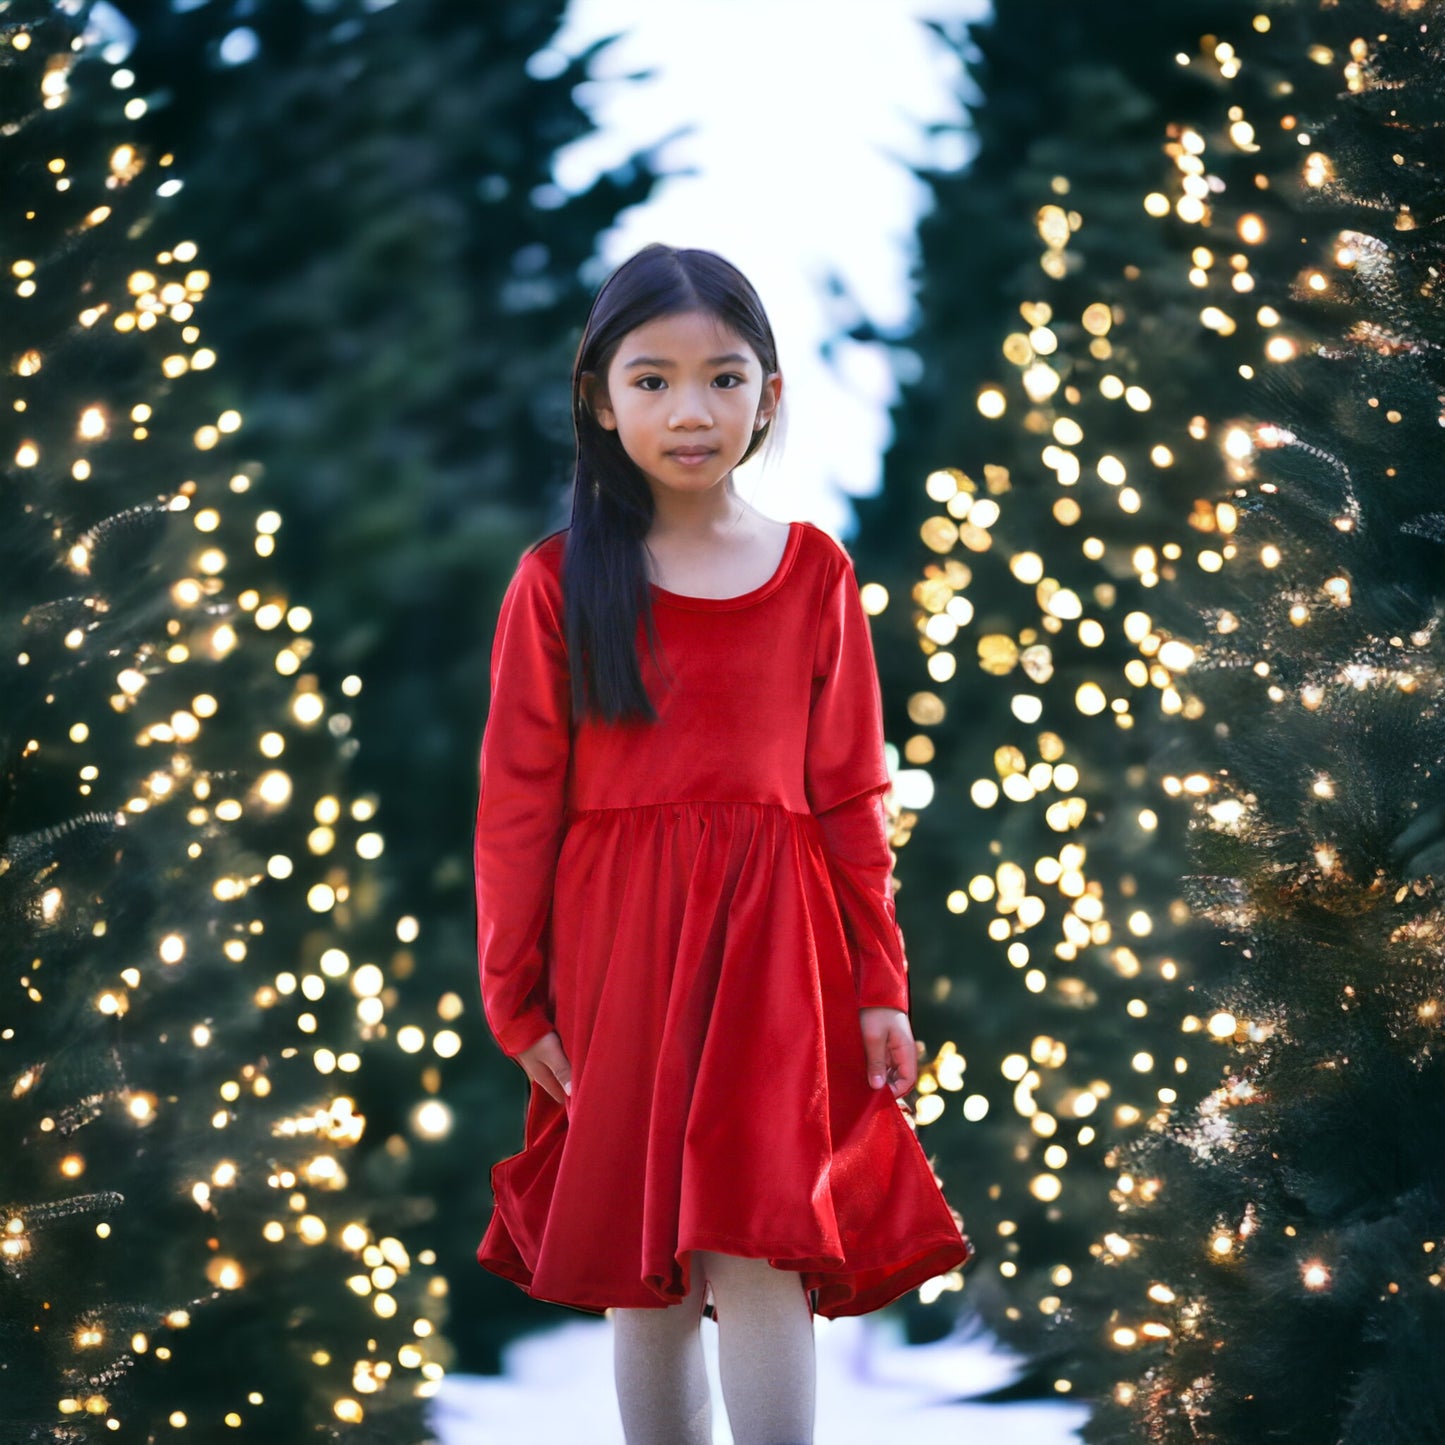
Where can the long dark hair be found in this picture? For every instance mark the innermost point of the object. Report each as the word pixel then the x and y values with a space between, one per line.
pixel 605 592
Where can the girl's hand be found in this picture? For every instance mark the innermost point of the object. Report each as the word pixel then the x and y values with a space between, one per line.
pixel 547 1065
pixel 888 1045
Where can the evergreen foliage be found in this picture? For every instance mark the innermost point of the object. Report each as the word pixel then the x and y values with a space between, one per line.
pixel 1283 1276
pixel 189 1234
pixel 1256 1260
pixel 1047 586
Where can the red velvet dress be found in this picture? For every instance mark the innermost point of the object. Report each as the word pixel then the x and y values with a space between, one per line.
pixel 700 906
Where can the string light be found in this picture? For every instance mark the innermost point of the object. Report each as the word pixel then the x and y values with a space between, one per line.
pixel 161 747
pixel 1058 394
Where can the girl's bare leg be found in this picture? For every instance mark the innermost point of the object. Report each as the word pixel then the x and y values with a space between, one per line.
pixel 765 1350
pixel 662 1385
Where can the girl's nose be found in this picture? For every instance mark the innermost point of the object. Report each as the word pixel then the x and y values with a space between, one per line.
pixel 689 409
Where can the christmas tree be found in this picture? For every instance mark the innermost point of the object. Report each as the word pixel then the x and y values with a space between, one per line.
pixel 1280 307
pixel 1274 1272
pixel 189 1239
pixel 1040 885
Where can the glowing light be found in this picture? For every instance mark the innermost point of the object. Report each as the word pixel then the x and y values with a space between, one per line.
pixel 928 1109
pixel 874 597
pixel 1046 1187
pixel 1064 604
pixel 321 897
pixel 274 787
pixel 1238 444
pixel 1176 656
pixel 1112 470
pixel 992 403
pixel 1027 567
pixel 311 1229
pixel 225 1273
pixel 307 708
pixel 432 1119
pixel 367 980
pixel 1041 381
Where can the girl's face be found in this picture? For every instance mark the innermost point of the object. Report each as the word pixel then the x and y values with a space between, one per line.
pixel 685 394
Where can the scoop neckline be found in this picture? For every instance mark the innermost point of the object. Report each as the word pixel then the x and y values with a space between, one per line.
pixel 741 599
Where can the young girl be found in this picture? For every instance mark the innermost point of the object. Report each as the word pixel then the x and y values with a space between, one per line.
pixel 685 920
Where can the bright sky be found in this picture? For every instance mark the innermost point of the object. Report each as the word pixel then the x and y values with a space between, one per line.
pixel 804 117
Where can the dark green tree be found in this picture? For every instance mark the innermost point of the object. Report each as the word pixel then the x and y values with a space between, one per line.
pixel 190 1231
pixel 1050 455
pixel 1280 1278
pixel 1280 323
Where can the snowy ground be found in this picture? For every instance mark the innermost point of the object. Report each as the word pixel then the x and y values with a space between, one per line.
pixel 557 1390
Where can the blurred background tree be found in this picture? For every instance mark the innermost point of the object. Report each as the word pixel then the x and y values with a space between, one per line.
pixel 1145 365
pixel 194 1233
pixel 1059 360
pixel 1274 1271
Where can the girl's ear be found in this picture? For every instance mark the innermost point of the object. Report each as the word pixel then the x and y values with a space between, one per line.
pixel 596 401
pixel 768 402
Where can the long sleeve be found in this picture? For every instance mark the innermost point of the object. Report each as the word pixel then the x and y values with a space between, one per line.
pixel 521 805
pixel 846 776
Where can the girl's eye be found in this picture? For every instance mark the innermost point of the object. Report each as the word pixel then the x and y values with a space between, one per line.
pixel 728 380
pixel 651 383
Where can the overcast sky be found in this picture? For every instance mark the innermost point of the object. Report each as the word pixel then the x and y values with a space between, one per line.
pixel 804 118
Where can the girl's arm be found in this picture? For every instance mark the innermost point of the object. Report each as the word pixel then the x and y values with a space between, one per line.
pixel 846 776
pixel 521 803
pixel 855 836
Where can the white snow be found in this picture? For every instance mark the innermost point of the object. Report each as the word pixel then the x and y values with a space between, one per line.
pixel 557 1390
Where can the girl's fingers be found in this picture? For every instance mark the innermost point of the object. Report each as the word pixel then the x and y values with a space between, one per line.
pixel 547 1066
pixel 888 1050
pixel 875 1049
pixel 904 1073
pixel 890 1054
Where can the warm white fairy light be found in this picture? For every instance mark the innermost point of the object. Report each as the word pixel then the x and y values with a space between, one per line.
pixel 159 294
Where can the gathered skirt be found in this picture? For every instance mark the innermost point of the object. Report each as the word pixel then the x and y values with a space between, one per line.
pixel 701 984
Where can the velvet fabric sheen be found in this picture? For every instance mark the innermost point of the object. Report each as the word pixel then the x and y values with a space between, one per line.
pixel 700 906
